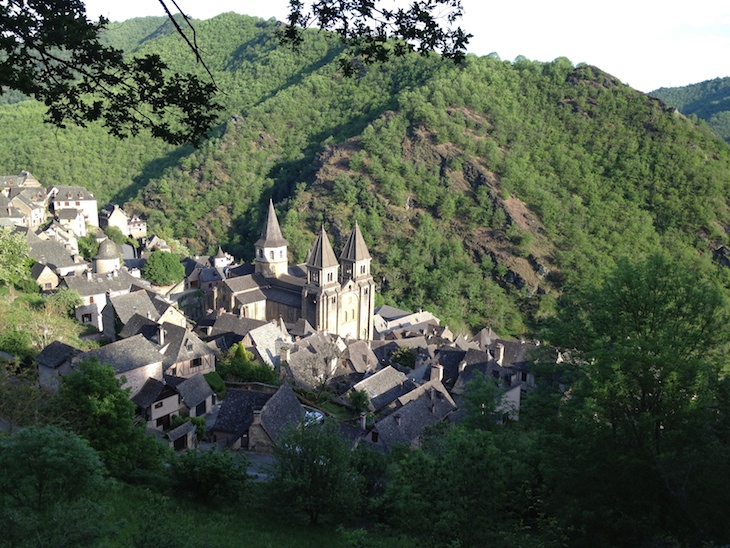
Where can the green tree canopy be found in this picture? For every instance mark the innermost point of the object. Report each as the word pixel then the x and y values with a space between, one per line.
pixel 50 482
pixel 644 425
pixel 314 472
pixel 13 257
pixel 92 403
pixel 163 268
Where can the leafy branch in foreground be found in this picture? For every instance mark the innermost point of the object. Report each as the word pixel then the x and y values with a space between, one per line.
pixel 375 34
pixel 49 50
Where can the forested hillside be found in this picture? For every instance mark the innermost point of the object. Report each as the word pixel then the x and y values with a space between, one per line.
pixel 482 189
pixel 709 101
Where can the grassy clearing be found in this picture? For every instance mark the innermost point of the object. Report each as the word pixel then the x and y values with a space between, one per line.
pixel 140 517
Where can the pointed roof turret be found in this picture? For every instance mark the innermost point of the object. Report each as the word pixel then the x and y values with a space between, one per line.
pixel 271 233
pixel 355 248
pixel 220 254
pixel 322 255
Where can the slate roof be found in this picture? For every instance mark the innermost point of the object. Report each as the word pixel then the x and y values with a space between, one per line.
pixel 194 390
pixel 55 354
pixel 179 344
pixel 265 339
pixel 271 232
pixel 355 248
pixel 484 338
pixel 516 353
pixel 75 192
pixel 281 411
pixel 361 356
pixel 68 214
pixel 301 328
pixel 101 283
pixel 390 313
pixel 250 296
pixel 236 412
pixel 137 302
pixel 310 361
pixel 107 250
pixel 282 296
pixel 384 387
pixel 52 254
pixel 406 425
pixel 125 355
pixel 181 431
pixel 450 358
pixel 149 393
pixel 230 323
pixel 321 255
pixel 136 324
pixel 249 282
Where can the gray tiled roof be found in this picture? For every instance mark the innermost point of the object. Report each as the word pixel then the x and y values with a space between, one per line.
pixel 101 283
pixel 76 192
pixel 361 356
pixel 406 424
pixel 280 412
pixel 236 412
pixel 355 248
pixel 180 344
pixel 181 431
pixel 55 354
pixel 148 394
pixel 136 302
pixel 194 390
pixel 271 233
pixel 126 355
pixel 245 283
pixel 283 296
pixel 136 324
pixel 321 255
pixel 230 323
pixel 390 313
pixel 52 254
pixel 310 360
pixel 265 339
pixel 384 387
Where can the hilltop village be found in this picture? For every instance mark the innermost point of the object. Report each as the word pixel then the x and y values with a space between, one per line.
pixel 393 372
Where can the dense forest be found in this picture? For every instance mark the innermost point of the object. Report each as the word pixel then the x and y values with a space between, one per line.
pixel 708 101
pixel 483 189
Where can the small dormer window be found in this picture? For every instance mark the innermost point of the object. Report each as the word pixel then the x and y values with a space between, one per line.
pixel 81 195
pixel 68 196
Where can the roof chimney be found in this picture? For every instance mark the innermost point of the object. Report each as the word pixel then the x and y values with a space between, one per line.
pixel 499 354
pixel 437 372
pixel 161 332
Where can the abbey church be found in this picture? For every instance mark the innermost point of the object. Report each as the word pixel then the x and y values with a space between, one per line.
pixel 333 294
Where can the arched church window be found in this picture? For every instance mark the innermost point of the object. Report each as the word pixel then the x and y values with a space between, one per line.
pixel 281 253
pixel 271 255
pixel 261 253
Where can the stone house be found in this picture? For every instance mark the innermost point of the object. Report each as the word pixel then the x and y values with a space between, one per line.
pixel 157 403
pixel 75 197
pixel 55 361
pixel 135 360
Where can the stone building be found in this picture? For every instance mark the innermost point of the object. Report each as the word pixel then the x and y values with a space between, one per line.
pixel 333 294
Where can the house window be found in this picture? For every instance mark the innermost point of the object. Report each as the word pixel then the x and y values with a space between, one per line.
pixel 523 376
pixel 197 362
pixel 78 204
pixel 374 437
pixel 48 286
pixel 85 318
pixel 158 405
pixel 91 300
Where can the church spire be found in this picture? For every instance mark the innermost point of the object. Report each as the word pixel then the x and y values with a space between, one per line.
pixel 271 252
pixel 271 233
pixel 322 265
pixel 355 257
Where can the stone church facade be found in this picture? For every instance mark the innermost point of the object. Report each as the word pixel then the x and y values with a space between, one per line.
pixel 334 294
